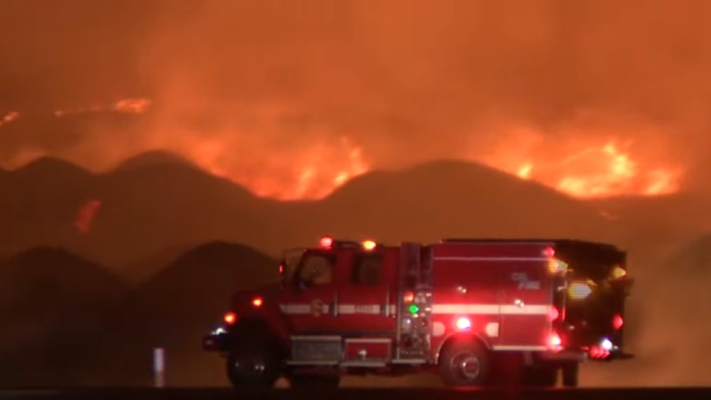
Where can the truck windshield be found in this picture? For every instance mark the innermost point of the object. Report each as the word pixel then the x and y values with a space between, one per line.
pixel 291 258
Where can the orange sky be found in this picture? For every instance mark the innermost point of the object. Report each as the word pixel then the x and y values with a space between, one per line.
pixel 292 98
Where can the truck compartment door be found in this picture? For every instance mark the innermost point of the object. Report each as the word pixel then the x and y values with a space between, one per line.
pixel 526 296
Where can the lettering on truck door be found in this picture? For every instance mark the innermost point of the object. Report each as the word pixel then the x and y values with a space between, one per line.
pixel 525 301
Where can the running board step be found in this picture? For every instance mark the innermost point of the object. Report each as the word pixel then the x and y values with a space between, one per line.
pixel 313 362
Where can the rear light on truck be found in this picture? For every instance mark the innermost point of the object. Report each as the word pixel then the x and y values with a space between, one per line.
pixel 617 273
pixel 553 313
pixel 617 321
pixel 579 290
pixel 230 318
pixel 326 242
pixel 556 266
pixel 554 342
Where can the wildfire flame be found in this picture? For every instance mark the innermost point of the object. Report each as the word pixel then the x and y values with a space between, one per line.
pixel 86 215
pixel 126 106
pixel 613 173
pixel 590 169
pixel 312 174
pixel 9 117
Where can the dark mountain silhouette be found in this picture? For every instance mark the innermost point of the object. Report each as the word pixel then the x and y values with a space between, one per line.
pixel 659 219
pixel 60 316
pixel 693 260
pixel 153 157
pixel 145 268
pixel 199 284
pixel 449 198
pixel 156 203
pixel 189 297
pixel 39 204
pixel 50 170
pixel 157 206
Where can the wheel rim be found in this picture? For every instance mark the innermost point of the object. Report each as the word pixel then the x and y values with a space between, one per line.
pixel 465 365
pixel 248 366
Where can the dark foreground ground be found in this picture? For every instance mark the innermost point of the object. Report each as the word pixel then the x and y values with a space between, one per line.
pixel 363 394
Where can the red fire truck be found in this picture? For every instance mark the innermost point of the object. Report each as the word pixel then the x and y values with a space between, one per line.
pixel 476 311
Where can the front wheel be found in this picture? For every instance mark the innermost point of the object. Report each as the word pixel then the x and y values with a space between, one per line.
pixel 464 363
pixel 253 365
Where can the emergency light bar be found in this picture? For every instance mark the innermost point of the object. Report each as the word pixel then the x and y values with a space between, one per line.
pixel 328 242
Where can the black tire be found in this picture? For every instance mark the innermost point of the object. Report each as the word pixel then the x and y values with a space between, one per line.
pixel 314 381
pixel 571 371
pixel 253 363
pixel 465 363
pixel 540 376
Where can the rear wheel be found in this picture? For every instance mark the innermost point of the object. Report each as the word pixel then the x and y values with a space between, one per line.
pixel 464 363
pixel 571 371
pixel 540 376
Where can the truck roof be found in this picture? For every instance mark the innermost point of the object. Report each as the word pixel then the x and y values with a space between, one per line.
pixel 546 241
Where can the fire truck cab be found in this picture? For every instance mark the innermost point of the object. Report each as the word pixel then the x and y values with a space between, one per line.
pixel 475 311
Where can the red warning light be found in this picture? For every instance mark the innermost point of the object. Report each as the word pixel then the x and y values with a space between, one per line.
pixel 549 252
pixel 326 241
pixel 617 322
pixel 553 314
pixel 230 318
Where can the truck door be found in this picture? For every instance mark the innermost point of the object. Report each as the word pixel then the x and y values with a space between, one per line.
pixel 310 299
pixel 525 305
pixel 367 301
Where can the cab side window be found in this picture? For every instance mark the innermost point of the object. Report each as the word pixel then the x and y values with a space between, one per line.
pixel 367 269
pixel 317 269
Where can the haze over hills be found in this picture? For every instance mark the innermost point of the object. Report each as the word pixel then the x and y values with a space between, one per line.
pixel 56 310
pixel 55 304
pixel 147 267
pixel 190 296
pixel 64 316
pixel 157 200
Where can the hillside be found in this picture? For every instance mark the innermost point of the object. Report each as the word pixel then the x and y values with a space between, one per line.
pixel 58 312
pixel 153 157
pixel 156 201
pixel 659 219
pixel 147 267
pixel 138 209
pixel 449 198
pixel 39 204
pixel 198 285
pixel 189 297
pixel 693 260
